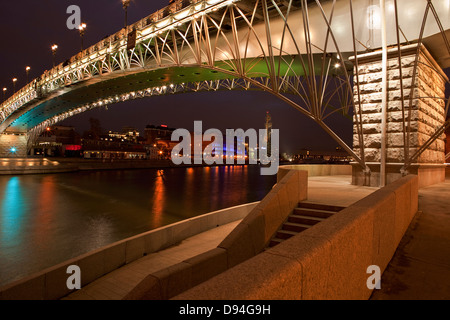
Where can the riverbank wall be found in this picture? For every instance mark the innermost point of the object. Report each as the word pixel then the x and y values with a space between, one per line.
pixel 50 284
pixel 23 166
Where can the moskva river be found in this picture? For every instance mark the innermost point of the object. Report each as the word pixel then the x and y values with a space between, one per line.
pixel 47 219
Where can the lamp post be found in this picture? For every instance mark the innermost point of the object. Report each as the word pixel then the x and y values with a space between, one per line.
pixel 125 4
pixel 4 93
pixel 27 70
pixel 54 49
pixel 82 29
pixel 14 85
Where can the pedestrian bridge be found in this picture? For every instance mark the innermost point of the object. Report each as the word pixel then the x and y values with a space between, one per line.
pixel 298 50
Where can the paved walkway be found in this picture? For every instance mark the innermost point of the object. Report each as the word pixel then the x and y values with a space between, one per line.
pixel 336 190
pixel 420 268
pixel 332 190
pixel 115 285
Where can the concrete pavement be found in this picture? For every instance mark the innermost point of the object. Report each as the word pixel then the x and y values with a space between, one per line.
pixel 420 268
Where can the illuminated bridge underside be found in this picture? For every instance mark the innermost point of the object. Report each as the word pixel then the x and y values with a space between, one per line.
pixel 108 90
pixel 297 50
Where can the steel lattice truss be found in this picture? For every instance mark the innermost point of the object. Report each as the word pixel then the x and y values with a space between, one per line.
pixel 252 45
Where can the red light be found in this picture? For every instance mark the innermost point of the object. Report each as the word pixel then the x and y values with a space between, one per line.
pixel 73 148
pixel 164 126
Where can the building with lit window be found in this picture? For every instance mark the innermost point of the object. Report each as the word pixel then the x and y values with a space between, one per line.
pixel 58 141
pixel 154 133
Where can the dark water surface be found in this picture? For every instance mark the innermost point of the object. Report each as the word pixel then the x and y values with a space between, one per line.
pixel 47 219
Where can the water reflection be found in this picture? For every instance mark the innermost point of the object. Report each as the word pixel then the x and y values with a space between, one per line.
pixel 12 214
pixel 44 210
pixel 47 219
pixel 158 199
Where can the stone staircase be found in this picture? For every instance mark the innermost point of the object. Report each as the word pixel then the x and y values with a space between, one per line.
pixel 302 218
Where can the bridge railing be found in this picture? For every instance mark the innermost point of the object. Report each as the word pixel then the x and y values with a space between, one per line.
pixel 155 22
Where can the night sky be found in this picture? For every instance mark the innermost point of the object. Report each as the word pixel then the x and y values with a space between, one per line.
pixel 29 28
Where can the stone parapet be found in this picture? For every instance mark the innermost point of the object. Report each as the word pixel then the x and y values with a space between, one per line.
pixel 328 261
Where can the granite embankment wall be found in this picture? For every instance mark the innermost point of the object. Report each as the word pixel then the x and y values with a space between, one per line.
pixel 327 261
pixel 18 166
pixel 247 240
pixel 50 284
pixel 315 170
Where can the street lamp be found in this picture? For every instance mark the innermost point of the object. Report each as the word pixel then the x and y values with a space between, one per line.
pixel 125 4
pixel 82 29
pixel 27 69
pixel 4 93
pixel 14 84
pixel 54 49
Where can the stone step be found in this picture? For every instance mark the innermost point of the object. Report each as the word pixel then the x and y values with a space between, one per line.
pixel 275 241
pixel 302 218
pixel 307 220
pixel 285 234
pixel 319 206
pixel 313 213
pixel 295 227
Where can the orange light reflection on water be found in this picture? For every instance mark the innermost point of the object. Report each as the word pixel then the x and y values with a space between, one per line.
pixel 158 200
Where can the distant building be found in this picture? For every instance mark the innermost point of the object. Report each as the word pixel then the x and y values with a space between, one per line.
pixel 124 145
pixel 128 134
pixel 154 133
pixel 58 141
pixel 318 157
pixel 113 148
pixel 131 134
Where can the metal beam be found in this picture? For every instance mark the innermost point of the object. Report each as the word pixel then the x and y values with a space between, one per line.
pixel 384 93
pixel 249 9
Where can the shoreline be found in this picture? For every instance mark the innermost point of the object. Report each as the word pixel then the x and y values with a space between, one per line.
pixel 50 283
pixel 28 166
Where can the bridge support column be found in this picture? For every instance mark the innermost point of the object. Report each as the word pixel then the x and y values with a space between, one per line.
pixel 13 146
pixel 426 114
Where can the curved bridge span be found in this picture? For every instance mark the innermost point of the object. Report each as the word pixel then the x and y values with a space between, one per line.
pixel 298 50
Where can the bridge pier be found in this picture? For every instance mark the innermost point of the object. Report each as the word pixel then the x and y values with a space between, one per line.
pixel 13 145
pixel 426 116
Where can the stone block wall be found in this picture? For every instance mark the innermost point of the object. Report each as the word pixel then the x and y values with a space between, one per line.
pixel 427 110
pixel 8 141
